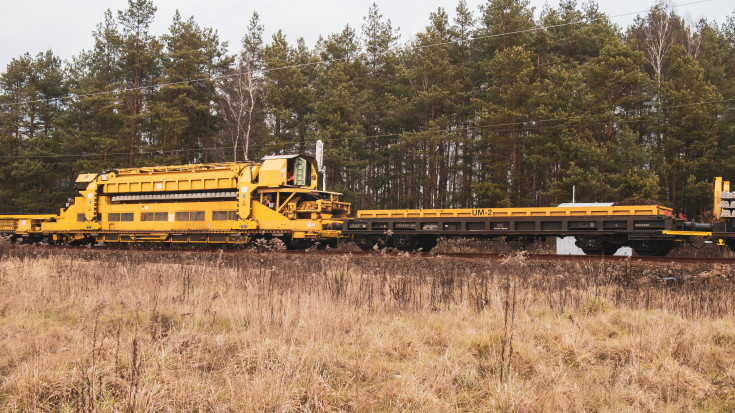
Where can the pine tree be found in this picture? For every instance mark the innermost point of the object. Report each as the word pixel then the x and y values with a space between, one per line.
pixel 504 112
pixel 339 98
pixel 182 108
pixel 31 90
pixel 616 98
pixel 464 56
pixel 431 75
pixel 690 108
pixel 140 66
pixel 94 122
pixel 286 94
pixel 505 23
pixel 381 64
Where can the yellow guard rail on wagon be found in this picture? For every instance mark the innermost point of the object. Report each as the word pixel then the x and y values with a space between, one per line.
pixel 519 212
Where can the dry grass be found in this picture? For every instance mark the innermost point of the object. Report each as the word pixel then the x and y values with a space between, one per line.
pixel 134 331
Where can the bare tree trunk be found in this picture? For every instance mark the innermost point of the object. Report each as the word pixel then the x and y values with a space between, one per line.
pixel 238 97
pixel 251 93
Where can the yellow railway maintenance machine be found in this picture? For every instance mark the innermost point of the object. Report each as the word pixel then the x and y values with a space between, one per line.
pixel 222 203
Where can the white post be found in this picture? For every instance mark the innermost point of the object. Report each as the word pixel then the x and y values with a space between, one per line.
pixel 320 163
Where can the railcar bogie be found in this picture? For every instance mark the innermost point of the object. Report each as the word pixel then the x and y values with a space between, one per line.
pixel 599 246
pixel 652 248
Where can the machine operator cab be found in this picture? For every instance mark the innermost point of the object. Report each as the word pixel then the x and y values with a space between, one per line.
pixel 289 170
pixel 288 186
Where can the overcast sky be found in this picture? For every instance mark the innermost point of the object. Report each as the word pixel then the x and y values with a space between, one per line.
pixel 66 26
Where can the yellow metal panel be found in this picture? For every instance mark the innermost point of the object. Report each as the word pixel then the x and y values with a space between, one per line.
pixel 273 172
pixel 170 208
pixel 263 214
pixel 168 179
pixel 7 224
pixel 28 216
pixel 688 233
pixel 82 178
pixel 724 186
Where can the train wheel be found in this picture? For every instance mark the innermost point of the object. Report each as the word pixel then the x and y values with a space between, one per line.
pixel 609 249
pixel 405 242
pixel 652 248
pixel 427 242
pixel 324 244
pixel 731 244
pixel 605 249
pixel 594 246
pixel 366 243
pixel 299 244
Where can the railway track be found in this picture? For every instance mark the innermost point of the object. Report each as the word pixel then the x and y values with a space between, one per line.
pixel 463 255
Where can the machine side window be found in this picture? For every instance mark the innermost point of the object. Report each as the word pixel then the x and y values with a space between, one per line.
pixel 81 218
pixel 127 217
pixel 190 216
pixel 113 217
pixel 223 215
pixel 154 216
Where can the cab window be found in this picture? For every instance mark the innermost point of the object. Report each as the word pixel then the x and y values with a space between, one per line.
pixel 299 172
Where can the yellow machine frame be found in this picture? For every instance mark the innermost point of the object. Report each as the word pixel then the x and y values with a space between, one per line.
pixel 719 187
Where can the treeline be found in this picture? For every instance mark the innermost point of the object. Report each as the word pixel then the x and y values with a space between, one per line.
pixel 492 107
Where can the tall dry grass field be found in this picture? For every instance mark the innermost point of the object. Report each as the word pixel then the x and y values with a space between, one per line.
pixel 163 331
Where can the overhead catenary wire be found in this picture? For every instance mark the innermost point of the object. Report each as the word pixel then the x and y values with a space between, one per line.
pixel 327 61
pixel 521 125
